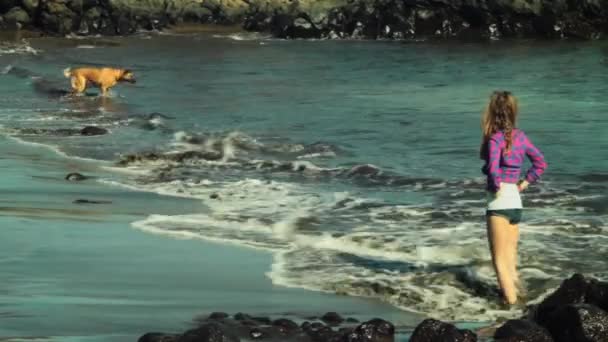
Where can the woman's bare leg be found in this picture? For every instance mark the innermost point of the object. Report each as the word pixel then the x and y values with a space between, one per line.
pixel 513 248
pixel 500 237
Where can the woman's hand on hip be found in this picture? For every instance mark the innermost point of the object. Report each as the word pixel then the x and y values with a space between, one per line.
pixel 522 185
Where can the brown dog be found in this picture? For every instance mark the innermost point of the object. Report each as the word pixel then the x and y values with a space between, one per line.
pixel 104 78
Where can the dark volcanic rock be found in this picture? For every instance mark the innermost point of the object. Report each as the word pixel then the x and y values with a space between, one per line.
pixel 372 331
pixel 332 318
pixel 218 315
pixel 17 16
pixel 75 177
pixel 157 337
pixel 86 201
pixel 219 327
pixel 432 330
pixel 239 316
pixel 93 130
pixel 209 332
pixel 335 19
pixel 579 323
pixel 286 326
pixel 175 157
pixel 575 290
pixel 518 330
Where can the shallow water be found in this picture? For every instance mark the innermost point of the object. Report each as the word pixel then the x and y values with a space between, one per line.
pixel 354 163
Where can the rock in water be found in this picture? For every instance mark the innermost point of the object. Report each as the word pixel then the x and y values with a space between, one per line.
pixel 579 323
pixel 218 315
pixel 157 337
pixel 375 330
pixel 93 130
pixel 332 318
pixel 75 176
pixel 597 294
pixel 431 330
pixel 86 201
pixel 286 326
pixel 572 291
pixel 518 330
pixel 209 332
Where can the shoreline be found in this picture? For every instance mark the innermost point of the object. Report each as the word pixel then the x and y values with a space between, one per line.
pixel 99 269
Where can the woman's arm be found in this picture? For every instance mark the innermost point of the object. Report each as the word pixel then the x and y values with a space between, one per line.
pixel 538 162
pixel 494 171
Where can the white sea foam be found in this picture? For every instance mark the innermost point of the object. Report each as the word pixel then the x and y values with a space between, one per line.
pixel 244 36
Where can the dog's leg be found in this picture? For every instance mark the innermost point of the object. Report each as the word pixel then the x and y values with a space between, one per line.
pixel 79 84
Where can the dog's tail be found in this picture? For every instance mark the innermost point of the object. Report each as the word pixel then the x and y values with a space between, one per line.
pixel 67 72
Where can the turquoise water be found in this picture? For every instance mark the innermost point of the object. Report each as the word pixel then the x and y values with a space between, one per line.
pixel 353 164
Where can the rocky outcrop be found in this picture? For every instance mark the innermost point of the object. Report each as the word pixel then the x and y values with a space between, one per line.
pixel 337 19
pixel 433 330
pixel 575 312
pixel 222 327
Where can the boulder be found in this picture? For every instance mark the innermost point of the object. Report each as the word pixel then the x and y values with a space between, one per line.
pixel 431 330
pixel 30 5
pixel 332 318
pixel 57 17
pixel 74 177
pixel 93 130
pixel 375 330
pixel 518 330
pixel 209 332
pixel 579 323
pixel 218 315
pixel 575 290
pixel 157 337
pixel 17 15
pixel 86 201
pixel 571 291
pixel 239 316
pixel 286 326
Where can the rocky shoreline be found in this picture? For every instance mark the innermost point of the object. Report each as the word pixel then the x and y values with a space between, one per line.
pixel 324 19
pixel 576 312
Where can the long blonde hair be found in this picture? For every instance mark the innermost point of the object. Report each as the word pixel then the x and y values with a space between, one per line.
pixel 499 115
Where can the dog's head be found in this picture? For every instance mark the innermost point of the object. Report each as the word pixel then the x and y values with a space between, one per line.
pixel 127 76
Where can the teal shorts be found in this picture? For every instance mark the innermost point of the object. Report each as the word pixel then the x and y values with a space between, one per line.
pixel 513 215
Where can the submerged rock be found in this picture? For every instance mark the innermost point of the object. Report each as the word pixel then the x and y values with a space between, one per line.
pixel 179 157
pixel 218 315
pixel 74 177
pixel 86 201
pixel 93 130
pixel 157 337
pixel 332 318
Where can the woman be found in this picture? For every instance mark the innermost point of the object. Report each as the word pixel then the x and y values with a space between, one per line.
pixel 503 149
